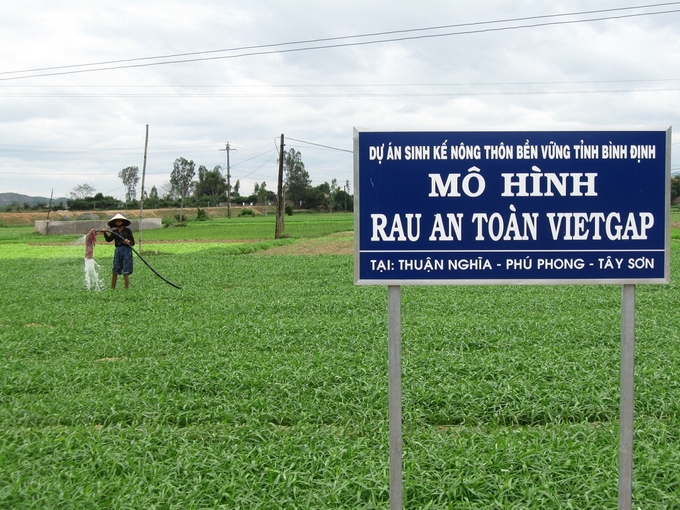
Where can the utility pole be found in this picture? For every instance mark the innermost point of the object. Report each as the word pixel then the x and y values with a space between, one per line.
pixel 228 148
pixel 141 196
pixel 279 196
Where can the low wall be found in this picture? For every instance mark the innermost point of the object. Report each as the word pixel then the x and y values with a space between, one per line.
pixel 84 226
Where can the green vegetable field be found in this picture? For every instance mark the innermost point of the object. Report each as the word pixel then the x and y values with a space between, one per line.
pixel 262 384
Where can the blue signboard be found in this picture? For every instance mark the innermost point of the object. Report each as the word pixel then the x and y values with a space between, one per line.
pixel 447 208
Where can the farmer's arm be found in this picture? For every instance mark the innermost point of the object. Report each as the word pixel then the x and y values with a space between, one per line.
pixel 130 237
pixel 107 236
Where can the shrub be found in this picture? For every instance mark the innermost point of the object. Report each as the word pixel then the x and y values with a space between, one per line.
pixel 246 212
pixel 201 215
pixel 289 210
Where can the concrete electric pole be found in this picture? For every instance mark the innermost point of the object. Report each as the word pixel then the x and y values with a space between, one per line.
pixel 279 196
pixel 228 148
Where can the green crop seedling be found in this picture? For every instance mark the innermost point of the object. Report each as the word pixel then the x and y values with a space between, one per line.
pixel 263 382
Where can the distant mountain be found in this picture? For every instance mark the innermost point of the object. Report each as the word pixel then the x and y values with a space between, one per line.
pixel 19 199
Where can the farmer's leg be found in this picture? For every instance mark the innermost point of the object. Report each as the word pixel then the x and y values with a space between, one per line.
pixel 117 266
pixel 126 260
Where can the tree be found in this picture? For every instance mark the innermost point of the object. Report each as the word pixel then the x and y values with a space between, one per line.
pixel 261 193
pixel 334 188
pixel 675 188
pixel 346 191
pixel 82 191
pixel 210 183
pixel 343 197
pixel 317 197
pixel 237 187
pixel 296 179
pixel 153 197
pixel 130 177
pixel 168 191
pixel 104 202
pixel 182 180
pixel 98 201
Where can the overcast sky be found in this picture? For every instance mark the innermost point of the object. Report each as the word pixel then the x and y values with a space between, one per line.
pixel 252 70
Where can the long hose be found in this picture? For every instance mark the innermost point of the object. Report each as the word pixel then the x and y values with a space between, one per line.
pixel 142 258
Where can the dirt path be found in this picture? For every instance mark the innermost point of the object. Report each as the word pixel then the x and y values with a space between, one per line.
pixel 341 243
pixel 25 219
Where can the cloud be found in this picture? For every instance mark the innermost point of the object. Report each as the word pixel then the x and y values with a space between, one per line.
pixel 61 131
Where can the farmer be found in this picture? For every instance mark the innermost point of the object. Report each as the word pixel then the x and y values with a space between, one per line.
pixel 122 257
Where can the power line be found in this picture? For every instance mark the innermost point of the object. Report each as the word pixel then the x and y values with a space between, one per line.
pixel 364 90
pixel 360 94
pixel 254 157
pixel 375 34
pixel 104 150
pixel 77 68
pixel 319 145
pixel 342 85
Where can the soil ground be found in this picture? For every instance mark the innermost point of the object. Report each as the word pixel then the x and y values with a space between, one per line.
pixel 341 243
pixel 25 219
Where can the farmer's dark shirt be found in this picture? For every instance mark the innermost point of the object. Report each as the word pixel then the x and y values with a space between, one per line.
pixel 126 233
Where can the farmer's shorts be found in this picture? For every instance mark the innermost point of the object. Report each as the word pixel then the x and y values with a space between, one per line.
pixel 122 260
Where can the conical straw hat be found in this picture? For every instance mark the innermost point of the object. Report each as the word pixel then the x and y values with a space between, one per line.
pixel 112 221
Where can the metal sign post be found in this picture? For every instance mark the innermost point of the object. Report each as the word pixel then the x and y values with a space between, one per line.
pixel 394 361
pixel 627 397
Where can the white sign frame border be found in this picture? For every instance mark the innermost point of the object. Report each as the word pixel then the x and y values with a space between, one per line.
pixel 550 281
